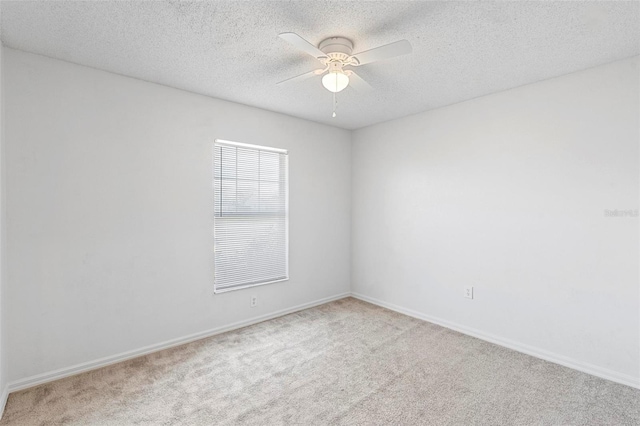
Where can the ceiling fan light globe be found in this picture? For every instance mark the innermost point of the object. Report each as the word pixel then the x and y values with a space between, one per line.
pixel 335 81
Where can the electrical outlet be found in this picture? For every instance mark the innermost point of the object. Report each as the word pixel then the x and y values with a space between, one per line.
pixel 254 301
pixel 468 292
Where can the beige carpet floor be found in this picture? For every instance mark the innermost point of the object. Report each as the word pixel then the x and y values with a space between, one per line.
pixel 343 363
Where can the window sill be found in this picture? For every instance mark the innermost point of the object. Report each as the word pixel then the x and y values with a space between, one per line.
pixel 226 290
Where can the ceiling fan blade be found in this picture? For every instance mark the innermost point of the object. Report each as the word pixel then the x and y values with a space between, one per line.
pixel 358 83
pixel 387 51
pixel 302 77
pixel 302 44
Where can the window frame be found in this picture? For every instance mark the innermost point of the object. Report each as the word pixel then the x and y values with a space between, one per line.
pixel 285 152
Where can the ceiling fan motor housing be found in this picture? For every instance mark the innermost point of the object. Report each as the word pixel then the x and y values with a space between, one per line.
pixel 337 48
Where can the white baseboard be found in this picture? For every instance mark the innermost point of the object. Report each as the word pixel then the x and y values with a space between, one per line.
pixel 584 367
pixel 103 362
pixel 3 400
pixel 529 350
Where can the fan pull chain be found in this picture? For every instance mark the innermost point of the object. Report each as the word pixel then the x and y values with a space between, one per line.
pixel 334 105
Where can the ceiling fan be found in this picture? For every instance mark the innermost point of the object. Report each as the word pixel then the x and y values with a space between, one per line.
pixel 335 53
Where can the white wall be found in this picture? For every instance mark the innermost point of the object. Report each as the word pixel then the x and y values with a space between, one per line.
pixel 3 346
pixel 110 212
pixel 507 193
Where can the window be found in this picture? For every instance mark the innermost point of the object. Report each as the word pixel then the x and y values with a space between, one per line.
pixel 250 192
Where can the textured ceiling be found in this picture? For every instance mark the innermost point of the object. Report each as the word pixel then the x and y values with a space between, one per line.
pixel 230 50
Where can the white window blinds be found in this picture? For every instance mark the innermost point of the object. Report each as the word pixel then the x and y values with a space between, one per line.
pixel 250 215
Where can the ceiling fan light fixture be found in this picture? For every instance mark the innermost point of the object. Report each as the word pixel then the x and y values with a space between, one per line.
pixel 335 81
